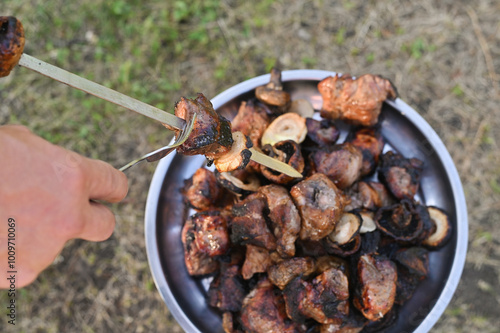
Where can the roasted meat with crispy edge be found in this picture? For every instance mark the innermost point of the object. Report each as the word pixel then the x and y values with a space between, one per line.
pixel 197 262
pixel 285 217
pixel 249 224
pixel 202 190
pixel 400 174
pixel 342 164
pixel 252 120
pixel 264 311
pixel 320 205
pixel 358 101
pixel 227 290
pixel 285 271
pixel 211 135
pixel 375 289
pixel 257 260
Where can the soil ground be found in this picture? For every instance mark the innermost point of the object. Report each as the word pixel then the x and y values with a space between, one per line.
pixel 443 56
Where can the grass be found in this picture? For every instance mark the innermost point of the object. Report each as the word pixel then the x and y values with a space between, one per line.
pixel 158 51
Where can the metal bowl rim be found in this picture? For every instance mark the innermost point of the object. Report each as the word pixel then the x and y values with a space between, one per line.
pixel 313 75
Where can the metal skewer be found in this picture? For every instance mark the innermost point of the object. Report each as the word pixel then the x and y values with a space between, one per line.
pixel 100 91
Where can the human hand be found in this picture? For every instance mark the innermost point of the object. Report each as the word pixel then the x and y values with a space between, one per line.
pixel 49 192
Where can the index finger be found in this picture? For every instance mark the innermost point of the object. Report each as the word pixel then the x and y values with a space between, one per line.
pixel 103 181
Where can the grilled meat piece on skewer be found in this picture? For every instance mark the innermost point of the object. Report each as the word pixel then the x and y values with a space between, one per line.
pixel 11 43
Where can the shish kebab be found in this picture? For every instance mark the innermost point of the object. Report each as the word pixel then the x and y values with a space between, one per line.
pixel 211 134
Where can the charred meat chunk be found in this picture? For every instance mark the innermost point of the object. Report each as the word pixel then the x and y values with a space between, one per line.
pixel 210 233
pixel 11 43
pixel 211 135
pixel 197 261
pixel 322 132
pixel 286 222
pixel 342 164
pixel 320 205
pixel 369 141
pixel 257 260
pixel 413 267
pixel 375 291
pixel 324 299
pixel 227 290
pixel 252 120
pixel 358 101
pixel 264 311
pixel 294 295
pixel 327 297
pixel 283 272
pixel 368 195
pixel 401 175
pixel 249 224
pixel 202 190
pixel 288 152
pixel 354 323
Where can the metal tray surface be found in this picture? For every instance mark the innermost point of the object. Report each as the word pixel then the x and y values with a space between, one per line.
pixel 403 130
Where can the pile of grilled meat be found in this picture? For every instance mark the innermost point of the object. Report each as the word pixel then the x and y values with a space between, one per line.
pixel 336 251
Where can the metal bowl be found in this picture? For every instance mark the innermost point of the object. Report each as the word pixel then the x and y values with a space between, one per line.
pixel 403 130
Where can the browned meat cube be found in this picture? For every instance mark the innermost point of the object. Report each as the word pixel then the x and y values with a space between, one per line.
pixel 285 218
pixel 342 164
pixel 257 260
pixel 320 204
pixel 197 261
pixel 324 299
pixel 413 267
pixel 358 101
pixel 401 175
pixel 370 143
pixel 249 224
pixel 252 120
pixel 327 298
pixel 202 190
pixel 284 272
pixel 264 311
pixel 210 233
pixel 211 135
pixel 375 291
pixel 227 290
pixel 368 195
